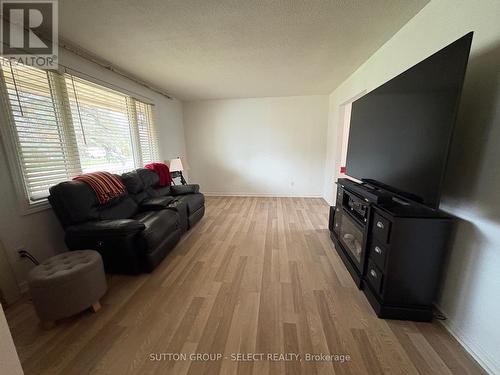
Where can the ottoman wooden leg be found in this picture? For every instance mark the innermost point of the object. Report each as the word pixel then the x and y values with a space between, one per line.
pixel 48 324
pixel 96 306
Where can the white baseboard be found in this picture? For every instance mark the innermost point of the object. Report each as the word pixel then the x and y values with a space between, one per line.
pixel 490 365
pixel 263 195
pixel 327 200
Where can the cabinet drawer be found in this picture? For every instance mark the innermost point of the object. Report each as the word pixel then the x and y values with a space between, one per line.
pixel 381 228
pixel 378 254
pixel 374 276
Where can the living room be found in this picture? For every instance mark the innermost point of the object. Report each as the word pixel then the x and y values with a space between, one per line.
pixel 239 270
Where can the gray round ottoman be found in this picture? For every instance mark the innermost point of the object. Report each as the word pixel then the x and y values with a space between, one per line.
pixel 66 284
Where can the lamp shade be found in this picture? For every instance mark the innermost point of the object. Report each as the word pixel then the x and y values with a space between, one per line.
pixel 176 165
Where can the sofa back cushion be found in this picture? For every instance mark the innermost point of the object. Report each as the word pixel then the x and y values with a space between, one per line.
pixel 132 182
pixel 148 177
pixel 151 183
pixel 134 185
pixel 75 202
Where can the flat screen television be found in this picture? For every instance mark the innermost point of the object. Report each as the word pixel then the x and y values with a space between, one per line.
pixel 400 133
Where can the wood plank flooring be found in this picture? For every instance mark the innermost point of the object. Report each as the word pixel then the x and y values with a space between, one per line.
pixel 256 275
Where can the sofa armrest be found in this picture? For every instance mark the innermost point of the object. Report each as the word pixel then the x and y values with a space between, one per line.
pixel 184 189
pixel 119 227
pixel 181 208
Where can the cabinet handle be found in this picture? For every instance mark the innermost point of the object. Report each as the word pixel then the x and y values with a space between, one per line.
pixel 378 250
pixel 373 273
pixel 380 224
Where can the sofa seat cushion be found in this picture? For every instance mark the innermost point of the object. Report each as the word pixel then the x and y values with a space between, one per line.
pixel 155 203
pixel 121 208
pixel 160 191
pixel 193 201
pixel 105 228
pixel 159 225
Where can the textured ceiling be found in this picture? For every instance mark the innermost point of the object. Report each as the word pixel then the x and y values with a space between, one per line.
pixel 201 49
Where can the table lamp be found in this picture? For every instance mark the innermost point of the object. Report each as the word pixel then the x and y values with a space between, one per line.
pixel 176 169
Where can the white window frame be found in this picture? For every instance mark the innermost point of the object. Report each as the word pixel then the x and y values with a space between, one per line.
pixel 7 128
pixel 8 132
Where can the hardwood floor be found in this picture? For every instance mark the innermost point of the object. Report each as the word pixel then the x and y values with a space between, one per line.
pixel 256 275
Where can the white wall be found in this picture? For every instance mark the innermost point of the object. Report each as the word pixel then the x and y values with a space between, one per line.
pixel 40 233
pixel 263 146
pixel 470 292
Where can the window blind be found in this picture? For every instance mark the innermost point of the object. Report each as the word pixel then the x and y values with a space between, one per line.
pixel 44 153
pixel 101 121
pixel 146 132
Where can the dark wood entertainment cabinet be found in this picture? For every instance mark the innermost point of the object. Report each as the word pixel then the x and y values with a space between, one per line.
pixel 393 247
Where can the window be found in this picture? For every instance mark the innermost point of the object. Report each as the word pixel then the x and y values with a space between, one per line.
pixel 62 126
pixel 102 127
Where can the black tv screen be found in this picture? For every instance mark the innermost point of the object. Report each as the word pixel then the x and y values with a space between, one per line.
pixel 400 132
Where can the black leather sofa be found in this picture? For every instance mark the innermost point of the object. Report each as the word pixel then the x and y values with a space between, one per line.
pixel 134 232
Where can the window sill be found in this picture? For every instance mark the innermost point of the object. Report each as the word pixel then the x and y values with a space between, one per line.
pixel 32 208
